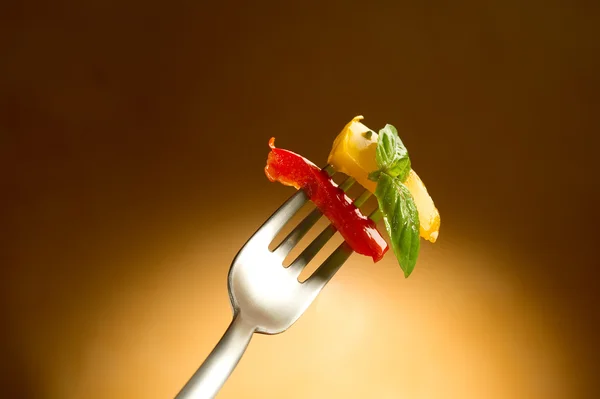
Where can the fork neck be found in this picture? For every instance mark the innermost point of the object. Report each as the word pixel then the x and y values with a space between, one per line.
pixel 241 324
pixel 221 362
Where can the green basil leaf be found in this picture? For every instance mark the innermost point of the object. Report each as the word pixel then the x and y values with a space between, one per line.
pixel 374 176
pixel 401 220
pixel 391 154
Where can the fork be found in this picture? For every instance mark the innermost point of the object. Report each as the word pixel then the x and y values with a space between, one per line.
pixel 265 296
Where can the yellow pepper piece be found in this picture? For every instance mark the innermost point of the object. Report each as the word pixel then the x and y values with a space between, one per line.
pixel 353 153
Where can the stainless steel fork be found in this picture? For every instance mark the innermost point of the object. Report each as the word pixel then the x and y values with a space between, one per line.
pixel 267 297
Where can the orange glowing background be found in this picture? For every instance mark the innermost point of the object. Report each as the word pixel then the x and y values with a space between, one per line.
pixel 132 141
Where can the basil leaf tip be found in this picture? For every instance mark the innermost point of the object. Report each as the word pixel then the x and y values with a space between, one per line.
pixel 401 220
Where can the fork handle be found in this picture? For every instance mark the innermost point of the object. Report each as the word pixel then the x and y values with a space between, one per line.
pixel 218 366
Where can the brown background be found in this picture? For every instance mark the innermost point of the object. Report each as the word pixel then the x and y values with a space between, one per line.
pixel 132 140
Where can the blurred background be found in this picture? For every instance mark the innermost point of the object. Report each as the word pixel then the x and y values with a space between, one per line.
pixel 133 137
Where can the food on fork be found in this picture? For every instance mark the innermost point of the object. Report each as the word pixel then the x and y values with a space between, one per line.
pixel 380 163
pixel 294 170
pixel 356 153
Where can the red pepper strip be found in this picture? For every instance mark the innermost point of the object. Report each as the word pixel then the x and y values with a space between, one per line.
pixel 294 170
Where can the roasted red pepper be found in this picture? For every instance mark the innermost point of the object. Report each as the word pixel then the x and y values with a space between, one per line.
pixel 294 170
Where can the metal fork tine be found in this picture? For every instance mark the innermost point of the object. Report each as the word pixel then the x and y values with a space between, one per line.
pixel 349 182
pixel 362 198
pixel 296 235
pixel 329 169
pixel 311 251
pixel 328 269
pixel 333 263
pixel 314 247
pixel 275 223
pixel 304 226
